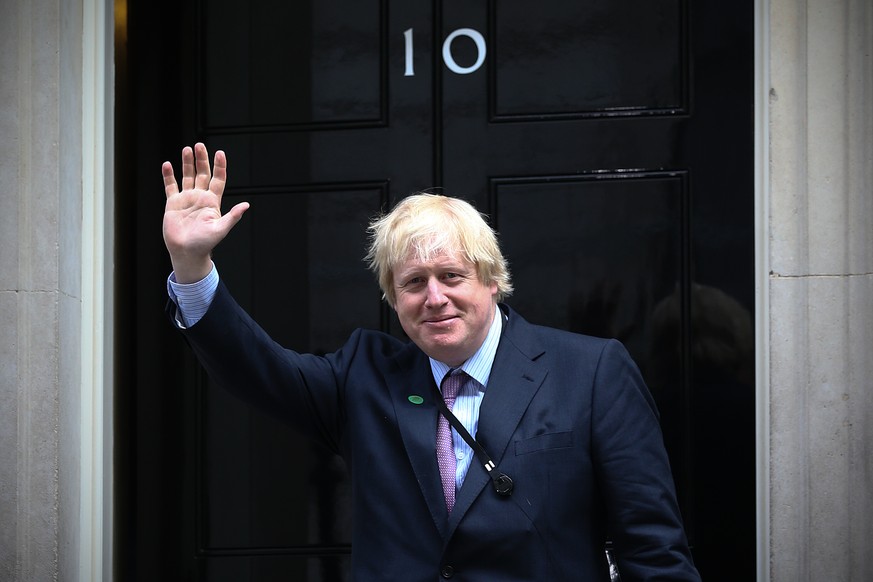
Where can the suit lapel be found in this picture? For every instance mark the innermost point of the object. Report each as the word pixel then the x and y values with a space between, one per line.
pixel 515 379
pixel 411 376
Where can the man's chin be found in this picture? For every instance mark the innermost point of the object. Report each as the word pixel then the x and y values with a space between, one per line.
pixel 447 352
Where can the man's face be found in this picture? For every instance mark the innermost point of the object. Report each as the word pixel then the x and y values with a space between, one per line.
pixel 443 306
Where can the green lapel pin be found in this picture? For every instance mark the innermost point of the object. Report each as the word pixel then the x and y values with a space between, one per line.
pixel 416 399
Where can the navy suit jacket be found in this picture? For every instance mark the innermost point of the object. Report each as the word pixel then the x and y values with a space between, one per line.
pixel 568 417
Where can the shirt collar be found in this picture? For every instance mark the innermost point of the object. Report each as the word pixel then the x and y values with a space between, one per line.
pixel 479 365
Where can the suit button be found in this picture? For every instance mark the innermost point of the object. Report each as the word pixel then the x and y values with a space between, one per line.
pixel 447 572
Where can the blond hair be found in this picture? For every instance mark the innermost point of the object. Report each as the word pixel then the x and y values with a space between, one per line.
pixel 425 225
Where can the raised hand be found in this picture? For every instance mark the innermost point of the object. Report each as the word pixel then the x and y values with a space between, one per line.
pixel 193 223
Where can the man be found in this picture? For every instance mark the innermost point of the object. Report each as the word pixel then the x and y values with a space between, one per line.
pixel 566 417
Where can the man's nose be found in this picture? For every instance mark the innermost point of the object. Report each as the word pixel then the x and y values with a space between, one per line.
pixel 435 295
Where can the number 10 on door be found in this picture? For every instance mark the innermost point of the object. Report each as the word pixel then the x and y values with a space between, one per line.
pixel 448 59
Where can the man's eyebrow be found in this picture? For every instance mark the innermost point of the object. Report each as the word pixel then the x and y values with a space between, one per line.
pixel 459 267
pixel 403 276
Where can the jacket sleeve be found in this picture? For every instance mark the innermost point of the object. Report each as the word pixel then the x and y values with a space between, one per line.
pixel 302 390
pixel 634 475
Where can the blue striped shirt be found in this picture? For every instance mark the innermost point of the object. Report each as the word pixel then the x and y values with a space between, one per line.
pixel 194 300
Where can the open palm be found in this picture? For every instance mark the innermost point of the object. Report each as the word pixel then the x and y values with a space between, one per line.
pixel 193 223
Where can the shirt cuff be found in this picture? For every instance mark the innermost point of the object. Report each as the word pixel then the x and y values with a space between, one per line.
pixel 193 299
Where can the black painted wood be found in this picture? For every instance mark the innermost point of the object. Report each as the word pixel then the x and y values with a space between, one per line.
pixel 611 146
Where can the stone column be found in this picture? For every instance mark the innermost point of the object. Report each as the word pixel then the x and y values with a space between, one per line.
pixel 40 283
pixel 820 290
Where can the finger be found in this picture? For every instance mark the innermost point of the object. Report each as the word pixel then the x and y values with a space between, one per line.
pixel 219 176
pixel 187 168
pixel 170 185
pixel 201 160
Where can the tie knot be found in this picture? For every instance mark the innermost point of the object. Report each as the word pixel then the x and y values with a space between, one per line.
pixel 452 385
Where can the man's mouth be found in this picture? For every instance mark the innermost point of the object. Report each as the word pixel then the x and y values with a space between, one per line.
pixel 441 319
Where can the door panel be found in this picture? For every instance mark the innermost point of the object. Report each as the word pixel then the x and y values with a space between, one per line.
pixel 272 65
pixel 610 144
pixel 566 237
pixel 587 59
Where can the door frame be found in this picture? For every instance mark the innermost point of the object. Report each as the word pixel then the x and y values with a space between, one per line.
pixel 761 156
pixel 98 339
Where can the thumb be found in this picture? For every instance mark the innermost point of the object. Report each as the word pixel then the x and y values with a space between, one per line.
pixel 232 216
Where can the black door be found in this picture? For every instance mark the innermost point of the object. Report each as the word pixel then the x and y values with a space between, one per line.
pixel 609 142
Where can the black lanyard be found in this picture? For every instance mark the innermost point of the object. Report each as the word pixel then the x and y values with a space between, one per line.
pixel 502 482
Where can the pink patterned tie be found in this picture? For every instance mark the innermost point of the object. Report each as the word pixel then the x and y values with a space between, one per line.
pixel 445 449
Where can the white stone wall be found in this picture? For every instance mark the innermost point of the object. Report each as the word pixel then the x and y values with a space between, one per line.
pixel 821 290
pixel 40 302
